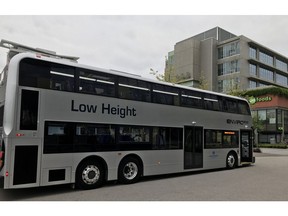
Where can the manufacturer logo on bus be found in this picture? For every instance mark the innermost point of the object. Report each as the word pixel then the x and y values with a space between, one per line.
pixel 237 122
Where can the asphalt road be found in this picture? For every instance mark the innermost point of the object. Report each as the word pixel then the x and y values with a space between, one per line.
pixel 266 180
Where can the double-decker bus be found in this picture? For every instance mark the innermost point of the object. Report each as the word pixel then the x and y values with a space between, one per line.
pixel 63 122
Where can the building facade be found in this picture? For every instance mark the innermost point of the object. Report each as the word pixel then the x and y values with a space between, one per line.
pixel 221 61
pixel 269 107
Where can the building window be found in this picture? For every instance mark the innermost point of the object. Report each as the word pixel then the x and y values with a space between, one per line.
pixel 262 84
pixel 252 52
pixel 265 58
pixel 252 69
pixel 228 85
pixel 271 116
pixel 262 115
pixel 268 119
pixel 228 67
pixel 281 65
pixel 266 74
pixel 228 50
pixel 252 84
pixel 282 80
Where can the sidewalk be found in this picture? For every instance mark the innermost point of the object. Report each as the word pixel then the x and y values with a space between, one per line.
pixel 273 151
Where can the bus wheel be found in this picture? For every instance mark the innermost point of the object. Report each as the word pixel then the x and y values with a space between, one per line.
pixel 129 170
pixel 90 175
pixel 231 161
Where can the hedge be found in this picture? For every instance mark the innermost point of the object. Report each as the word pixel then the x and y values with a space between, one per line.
pixel 280 146
pixel 267 90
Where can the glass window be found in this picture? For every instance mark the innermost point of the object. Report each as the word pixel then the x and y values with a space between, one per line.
pixel 58 137
pixel 252 69
pixel 228 50
pixel 165 95
pixel 285 120
pixel 271 120
pixel 281 79
pixel 262 115
pixel 266 74
pixel 93 82
pixel 262 84
pixel 56 130
pixel 221 139
pixel 135 134
pixel 41 74
pixel 61 79
pixel 67 137
pixel 29 110
pixel 281 65
pixel 228 67
pixel 134 138
pixel 230 105
pixel 92 137
pixel 211 102
pixel 228 85
pixel 252 52
pixel 271 116
pixel 244 108
pixel 252 84
pixel 1 118
pixel 220 53
pixel 34 73
pixel 265 58
pixel 279 117
pixel 213 139
pixel 191 99
pixel 230 139
pixel 221 86
pixel 134 89
pixel 167 138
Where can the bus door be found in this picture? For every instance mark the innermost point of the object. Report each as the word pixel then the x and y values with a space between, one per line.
pixel 193 147
pixel 246 146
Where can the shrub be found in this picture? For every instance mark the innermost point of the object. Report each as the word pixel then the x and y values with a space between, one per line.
pixel 280 146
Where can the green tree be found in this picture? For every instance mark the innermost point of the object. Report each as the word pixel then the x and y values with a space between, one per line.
pixel 203 84
pixel 159 76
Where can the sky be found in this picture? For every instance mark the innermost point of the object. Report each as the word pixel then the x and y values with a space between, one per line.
pixel 132 43
pixel 141 35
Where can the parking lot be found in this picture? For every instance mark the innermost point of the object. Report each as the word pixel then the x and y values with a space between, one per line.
pixel 266 180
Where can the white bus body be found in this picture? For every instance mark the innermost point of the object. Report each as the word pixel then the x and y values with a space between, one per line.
pixel 57 145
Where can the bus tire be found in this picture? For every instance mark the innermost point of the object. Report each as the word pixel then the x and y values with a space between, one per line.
pixel 129 171
pixel 231 160
pixel 90 174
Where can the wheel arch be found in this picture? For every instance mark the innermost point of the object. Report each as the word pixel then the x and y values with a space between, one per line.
pixel 233 152
pixel 136 157
pixel 95 158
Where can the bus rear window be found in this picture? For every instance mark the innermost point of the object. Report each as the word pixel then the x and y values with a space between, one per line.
pixel 29 110
pixel 47 75
pixel 1 115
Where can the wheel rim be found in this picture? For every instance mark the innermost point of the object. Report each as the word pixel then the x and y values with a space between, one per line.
pixel 130 170
pixel 230 161
pixel 91 174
